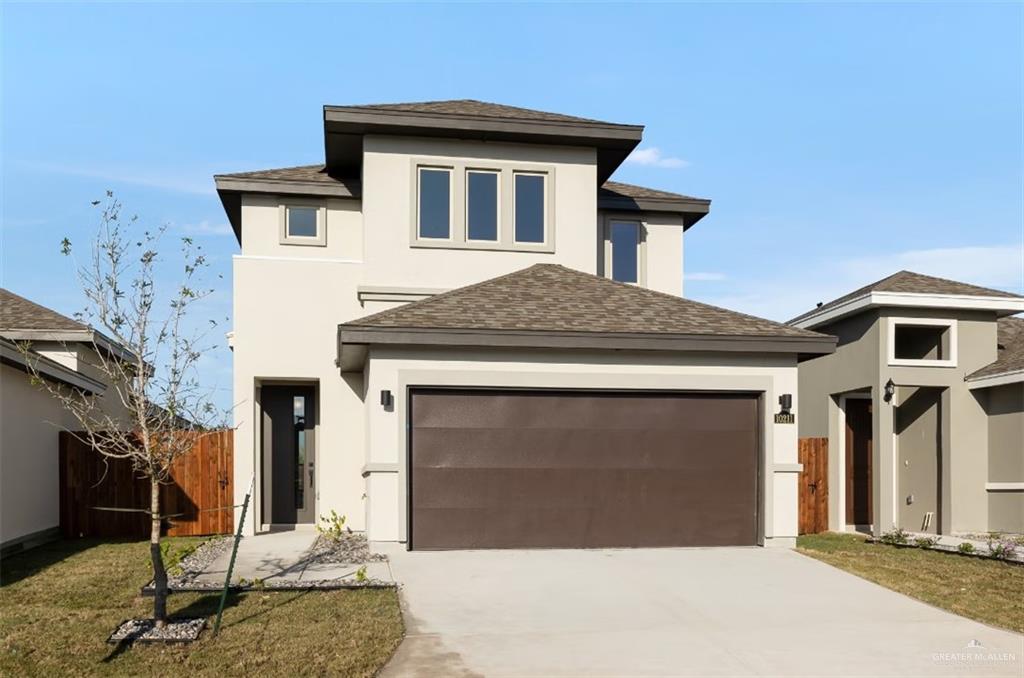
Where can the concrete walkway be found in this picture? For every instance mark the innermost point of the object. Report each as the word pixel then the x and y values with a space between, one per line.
pixel 678 612
pixel 283 556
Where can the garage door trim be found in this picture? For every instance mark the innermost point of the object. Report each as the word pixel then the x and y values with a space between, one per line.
pixel 757 395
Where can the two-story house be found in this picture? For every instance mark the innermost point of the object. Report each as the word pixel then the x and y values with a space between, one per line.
pixel 923 406
pixel 459 333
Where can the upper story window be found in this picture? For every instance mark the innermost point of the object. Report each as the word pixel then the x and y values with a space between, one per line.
pixel 303 225
pixel 496 205
pixel 482 213
pixel 434 211
pixel 923 342
pixel 624 255
pixel 624 245
pixel 530 213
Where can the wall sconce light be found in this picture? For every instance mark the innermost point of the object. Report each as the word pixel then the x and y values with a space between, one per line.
pixel 890 390
pixel 386 399
pixel 786 402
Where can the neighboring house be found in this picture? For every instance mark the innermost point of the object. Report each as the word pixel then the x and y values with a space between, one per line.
pixel 63 351
pixel 459 333
pixel 923 406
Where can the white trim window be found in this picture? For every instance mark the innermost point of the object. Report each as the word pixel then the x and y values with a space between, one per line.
pixel 303 224
pixel 529 207
pixel 922 342
pixel 483 205
pixel 434 203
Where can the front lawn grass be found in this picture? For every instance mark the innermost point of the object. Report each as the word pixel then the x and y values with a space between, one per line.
pixel 59 602
pixel 985 590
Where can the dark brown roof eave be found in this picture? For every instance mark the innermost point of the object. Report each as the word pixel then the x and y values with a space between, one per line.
pixel 356 336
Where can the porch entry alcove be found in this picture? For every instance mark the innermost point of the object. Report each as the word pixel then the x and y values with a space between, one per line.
pixel 288 453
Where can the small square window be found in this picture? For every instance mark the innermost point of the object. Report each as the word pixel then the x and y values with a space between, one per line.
pixel 435 203
pixel 482 206
pixel 529 208
pixel 625 251
pixel 302 222
pixel 923 342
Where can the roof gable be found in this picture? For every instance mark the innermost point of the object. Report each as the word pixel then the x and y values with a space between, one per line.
pixel 1009 351
pixel 553 298
pixel 909 283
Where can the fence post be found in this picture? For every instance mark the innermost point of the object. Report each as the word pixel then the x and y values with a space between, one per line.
pixel 234 552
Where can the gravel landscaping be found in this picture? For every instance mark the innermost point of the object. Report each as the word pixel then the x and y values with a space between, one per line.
pixel 350 547
pixel 192 565
pixel 145 631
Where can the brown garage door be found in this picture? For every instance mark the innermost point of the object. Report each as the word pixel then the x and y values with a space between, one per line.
pixel 572 469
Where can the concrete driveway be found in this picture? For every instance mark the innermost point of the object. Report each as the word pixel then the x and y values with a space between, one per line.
pixel 678 612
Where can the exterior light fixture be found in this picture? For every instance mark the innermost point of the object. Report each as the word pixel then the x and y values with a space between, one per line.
pixel 786 402
pixel 890 390
pixel 386 399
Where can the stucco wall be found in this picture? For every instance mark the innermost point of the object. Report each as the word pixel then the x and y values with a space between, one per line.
pixel 1004 406
pixel 397 369
pixel 29 482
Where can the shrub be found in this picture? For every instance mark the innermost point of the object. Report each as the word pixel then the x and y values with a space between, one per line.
pixel 965 547
pixel 925 542
pixel 1001 549
pixel 361 574
pixel 897 537
pixel 333 526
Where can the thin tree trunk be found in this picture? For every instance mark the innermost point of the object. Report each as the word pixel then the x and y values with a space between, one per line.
pixel 159 573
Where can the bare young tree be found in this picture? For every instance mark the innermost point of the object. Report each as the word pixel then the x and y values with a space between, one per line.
pixel 154 406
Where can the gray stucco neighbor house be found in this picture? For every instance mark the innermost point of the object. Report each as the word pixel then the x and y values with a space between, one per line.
pixel 923 406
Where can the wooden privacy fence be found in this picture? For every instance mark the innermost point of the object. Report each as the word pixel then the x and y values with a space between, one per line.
pixel 813 492
pixel 202 491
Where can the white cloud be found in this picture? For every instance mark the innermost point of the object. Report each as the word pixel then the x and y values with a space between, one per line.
pixel 204 227
pixel 197 183
pixel 788 292
pixel 652 157
pixel 704 276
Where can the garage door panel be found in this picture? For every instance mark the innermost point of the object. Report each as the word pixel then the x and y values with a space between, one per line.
pixel 532 448
pixel 577 469
pixel 562 411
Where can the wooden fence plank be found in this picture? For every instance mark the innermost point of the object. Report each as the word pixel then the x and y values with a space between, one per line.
pixel 88 480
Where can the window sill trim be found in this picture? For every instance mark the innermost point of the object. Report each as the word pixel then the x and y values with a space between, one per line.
pixel 908 362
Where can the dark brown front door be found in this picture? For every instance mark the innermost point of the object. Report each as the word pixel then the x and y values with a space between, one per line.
pixel 565 469
pixel 289 454
pixel 858 461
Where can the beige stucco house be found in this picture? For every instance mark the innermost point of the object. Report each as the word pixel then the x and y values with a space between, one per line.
pixel 923 406
pixel 63 351
pixel 460 333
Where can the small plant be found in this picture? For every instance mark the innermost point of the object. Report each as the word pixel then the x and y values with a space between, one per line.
pixel 896 537
pixel 1001 549
pixel 361 575
pixel 332 526
pixel 258 584
pixel 925 542
pixel 965 547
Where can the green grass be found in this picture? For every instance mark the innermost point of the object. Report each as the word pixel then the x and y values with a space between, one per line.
pixel 985 590
pixel 59 602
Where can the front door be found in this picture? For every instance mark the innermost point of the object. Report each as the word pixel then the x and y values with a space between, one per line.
pixel 289 454
pixel 858 461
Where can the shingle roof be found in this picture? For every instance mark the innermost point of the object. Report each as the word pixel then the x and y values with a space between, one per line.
pixel 303 173
pixel 18 313
pixel 318 174
pixel 616 189
pixel 911 283
pixel 553 298
pixel 1010 355
pixel 481 109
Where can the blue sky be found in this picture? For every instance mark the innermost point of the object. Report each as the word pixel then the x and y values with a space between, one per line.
pixel 838 142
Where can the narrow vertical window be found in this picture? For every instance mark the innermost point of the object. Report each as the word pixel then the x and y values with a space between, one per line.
pixel 529 208
pixel 482 205
pixel 625 251
pixel 299 410
pixel 435 204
